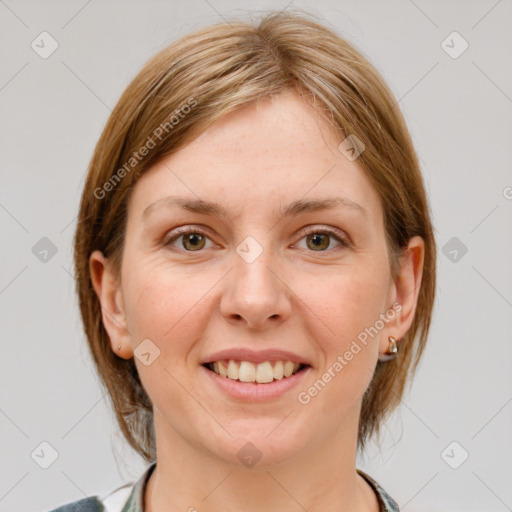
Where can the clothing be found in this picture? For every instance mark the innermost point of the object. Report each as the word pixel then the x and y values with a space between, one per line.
pixel 130 497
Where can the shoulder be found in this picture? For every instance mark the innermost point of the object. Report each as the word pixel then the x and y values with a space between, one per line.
pixel 128 497
pixel 386 502
pixel 90 504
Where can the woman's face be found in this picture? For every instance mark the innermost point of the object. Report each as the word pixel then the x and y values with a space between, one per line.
pixel 256 280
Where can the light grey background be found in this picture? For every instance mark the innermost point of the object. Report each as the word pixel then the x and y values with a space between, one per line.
pixel 459 113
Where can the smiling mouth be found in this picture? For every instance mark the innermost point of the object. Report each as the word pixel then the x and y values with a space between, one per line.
pixel 262 373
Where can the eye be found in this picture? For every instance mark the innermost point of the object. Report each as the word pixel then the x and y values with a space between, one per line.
pixel 319 239
pixel 194 239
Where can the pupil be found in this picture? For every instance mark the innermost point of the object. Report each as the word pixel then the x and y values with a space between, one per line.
pixel 193 240
pixel 317 240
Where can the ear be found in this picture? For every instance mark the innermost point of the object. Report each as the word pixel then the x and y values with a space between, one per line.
pixel 407 288
pixel 109 292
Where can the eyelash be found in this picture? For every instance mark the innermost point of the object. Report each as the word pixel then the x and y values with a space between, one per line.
pixel 179 232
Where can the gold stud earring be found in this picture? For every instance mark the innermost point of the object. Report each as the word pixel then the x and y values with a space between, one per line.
pixel 391 352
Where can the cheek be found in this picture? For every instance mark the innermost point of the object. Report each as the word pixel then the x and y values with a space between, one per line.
pixel 169 309
pixel 338 312
pixel 165 303
pixel 351 303
pixel 346 302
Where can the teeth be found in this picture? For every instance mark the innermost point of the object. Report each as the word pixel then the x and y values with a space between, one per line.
pixel 262 373
pixel 233 370
pixel 220 369
pixel 278 370
pixel 288 368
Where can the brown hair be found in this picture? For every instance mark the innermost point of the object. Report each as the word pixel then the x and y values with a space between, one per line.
pixel 183 90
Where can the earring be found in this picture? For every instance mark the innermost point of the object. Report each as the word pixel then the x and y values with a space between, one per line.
pixel 392 350
pixel 119 347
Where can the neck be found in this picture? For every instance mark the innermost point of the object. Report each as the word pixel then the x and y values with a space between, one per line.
pixel 319 477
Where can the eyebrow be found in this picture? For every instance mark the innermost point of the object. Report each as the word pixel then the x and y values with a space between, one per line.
pixel 292 210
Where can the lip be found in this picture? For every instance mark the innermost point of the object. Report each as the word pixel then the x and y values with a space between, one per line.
pixel 253 391
pixel 256 357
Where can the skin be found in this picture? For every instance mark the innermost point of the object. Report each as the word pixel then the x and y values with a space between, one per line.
pixel 313 302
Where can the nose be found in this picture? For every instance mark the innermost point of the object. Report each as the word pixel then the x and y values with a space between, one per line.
pixel 256 293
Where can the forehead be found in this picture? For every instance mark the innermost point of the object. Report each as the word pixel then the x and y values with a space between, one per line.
pixel 265 155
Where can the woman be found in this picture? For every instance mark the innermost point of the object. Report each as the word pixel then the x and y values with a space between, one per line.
pixel 255 265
